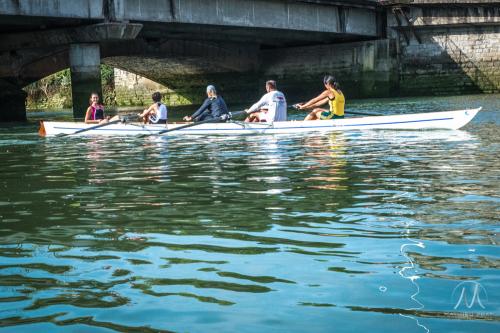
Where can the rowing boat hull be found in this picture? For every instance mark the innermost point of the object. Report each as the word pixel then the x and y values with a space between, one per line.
pixel 417 121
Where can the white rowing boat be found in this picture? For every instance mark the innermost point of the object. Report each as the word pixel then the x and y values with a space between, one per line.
pixel 416 121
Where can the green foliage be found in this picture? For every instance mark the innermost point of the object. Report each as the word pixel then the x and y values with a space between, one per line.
pixel 108 85
pixel 54 91
pixel 107 75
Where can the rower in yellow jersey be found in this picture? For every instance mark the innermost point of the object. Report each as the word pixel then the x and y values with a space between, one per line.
pixel 333 95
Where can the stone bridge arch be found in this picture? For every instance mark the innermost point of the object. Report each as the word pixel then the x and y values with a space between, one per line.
pixel 178 64
pixel 186 67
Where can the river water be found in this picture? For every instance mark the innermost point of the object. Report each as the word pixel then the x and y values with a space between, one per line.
pixel 380 231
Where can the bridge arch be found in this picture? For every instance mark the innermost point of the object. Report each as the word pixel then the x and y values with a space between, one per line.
pixel 184 67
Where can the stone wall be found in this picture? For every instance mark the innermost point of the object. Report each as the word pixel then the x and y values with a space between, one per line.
pixel 451 61
pixel 446 49
pixel 134 90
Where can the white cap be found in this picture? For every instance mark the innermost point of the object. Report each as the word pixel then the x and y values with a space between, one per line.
pixel 211 88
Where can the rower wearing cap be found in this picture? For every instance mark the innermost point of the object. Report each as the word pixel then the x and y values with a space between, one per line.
pixel 213 107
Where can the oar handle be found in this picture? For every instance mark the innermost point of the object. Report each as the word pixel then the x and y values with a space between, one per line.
pixel 236 113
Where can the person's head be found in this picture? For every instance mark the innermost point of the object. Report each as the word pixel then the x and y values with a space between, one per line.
pixel 270 85
pixel 94 98
pixel 330 82
pixel 211 92
pixel 156 97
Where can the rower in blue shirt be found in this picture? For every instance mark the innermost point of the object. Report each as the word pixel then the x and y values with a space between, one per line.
pixel 213 107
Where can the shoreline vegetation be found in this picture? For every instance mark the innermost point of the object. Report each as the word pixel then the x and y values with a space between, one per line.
pixel 54 91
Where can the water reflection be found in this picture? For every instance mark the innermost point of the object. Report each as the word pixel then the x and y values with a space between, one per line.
pixel 329 155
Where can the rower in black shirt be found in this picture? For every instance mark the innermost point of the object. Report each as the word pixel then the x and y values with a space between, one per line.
pixel 213 107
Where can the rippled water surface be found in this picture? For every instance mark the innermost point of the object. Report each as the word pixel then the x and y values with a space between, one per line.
pixel 385 231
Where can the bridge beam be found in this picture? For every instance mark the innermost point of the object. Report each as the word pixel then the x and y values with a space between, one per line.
pixel 85 65
pixel 93 33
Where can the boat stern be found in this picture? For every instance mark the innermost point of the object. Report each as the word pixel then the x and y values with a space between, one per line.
pixel 41 130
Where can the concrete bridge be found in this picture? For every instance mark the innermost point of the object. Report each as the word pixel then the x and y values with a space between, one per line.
pixel 237 44
pixel 184 37
pixel 38 38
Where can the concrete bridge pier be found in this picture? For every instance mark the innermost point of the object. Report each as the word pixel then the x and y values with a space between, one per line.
pixel 85 65
pixel 13 101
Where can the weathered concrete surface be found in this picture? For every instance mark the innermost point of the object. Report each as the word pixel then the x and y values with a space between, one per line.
pixel 444 50
pixel 85 62
pixel 320 16
pixel 94 33
pixel 425 16
pixel 54 8
pixel 436 3
pixel 177 57
pixel 461 61
pixel 364 69
pixel 290 15
pixel 453 2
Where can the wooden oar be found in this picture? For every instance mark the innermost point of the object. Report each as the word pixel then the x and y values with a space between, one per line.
pixel 294 106
pixel 89 128
pixel 224 117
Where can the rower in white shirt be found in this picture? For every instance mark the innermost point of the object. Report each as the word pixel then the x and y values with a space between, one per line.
pixel 271 107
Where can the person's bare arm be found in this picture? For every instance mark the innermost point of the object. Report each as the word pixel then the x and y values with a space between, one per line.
pixel 314 102
pixel 256 106
pixel 87 117
pixel 319 103
pixel 148 110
